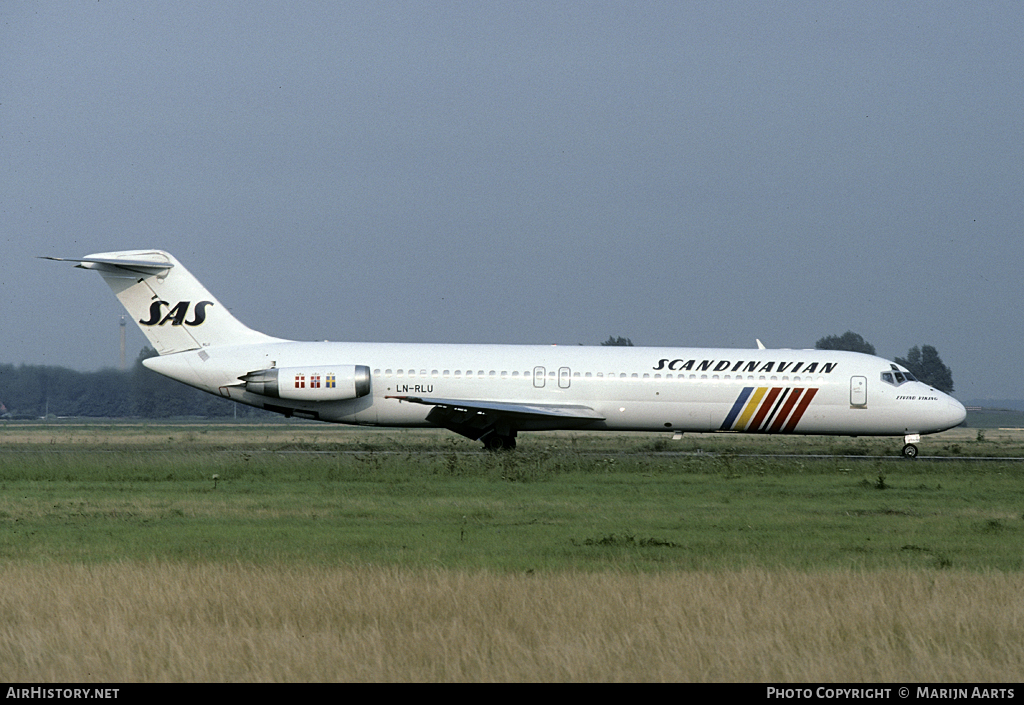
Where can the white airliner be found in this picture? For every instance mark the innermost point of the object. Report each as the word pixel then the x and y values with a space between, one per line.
pixel 492 392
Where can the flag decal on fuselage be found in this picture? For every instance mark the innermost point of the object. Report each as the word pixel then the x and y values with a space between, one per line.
pixel 768 409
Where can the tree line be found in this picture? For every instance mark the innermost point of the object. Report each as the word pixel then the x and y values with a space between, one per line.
pixel 35 391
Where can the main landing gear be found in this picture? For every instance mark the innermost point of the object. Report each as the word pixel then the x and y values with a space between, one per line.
pixel 497 441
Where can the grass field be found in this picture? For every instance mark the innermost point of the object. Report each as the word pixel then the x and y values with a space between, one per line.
pixel 309 552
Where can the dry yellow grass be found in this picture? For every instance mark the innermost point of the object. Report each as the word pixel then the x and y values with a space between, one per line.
pixel 176 622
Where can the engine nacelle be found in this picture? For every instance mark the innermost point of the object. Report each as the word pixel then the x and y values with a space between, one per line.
pixel 315 383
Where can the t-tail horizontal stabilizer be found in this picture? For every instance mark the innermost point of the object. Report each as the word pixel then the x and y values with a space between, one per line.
pixel 174 311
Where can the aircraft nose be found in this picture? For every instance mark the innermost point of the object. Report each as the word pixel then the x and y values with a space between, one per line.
pixel 957 413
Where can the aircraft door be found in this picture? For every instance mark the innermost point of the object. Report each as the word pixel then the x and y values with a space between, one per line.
pixel 538 377
pixel 859 391
pixel 564 377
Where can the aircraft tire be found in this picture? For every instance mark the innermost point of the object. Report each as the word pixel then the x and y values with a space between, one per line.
pixel 910 451
pixel 494 441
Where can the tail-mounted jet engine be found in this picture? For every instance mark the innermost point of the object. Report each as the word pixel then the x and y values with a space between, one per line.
pixel 323 383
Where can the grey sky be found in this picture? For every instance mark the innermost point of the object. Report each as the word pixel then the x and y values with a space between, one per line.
pixel 679 173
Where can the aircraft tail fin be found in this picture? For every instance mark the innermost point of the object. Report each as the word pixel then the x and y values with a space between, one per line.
pixel 174 311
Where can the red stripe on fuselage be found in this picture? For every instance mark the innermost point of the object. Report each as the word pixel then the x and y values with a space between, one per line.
pixel 794 396
pixel 800 409
pixel 766 406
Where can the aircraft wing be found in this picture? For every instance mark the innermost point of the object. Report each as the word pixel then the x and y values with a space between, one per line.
pixel 475 417
pixel 567 411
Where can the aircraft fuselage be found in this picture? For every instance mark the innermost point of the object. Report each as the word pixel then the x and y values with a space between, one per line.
pixel 633 389
pixel 492 392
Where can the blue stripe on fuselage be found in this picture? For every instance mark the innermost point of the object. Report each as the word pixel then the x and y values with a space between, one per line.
pixel 740 401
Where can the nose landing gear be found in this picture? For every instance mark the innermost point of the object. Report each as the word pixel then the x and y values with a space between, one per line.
pixel 910 449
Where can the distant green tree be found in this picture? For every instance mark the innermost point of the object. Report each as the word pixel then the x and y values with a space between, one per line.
pixel 612 340
pixel 847 341
pixel 32 391
pixel 925 364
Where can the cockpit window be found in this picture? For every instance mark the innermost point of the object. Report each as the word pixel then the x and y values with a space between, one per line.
pixel 897 377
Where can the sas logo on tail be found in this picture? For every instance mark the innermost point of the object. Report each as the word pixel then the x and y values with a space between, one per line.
pixel 176 316
pixel 768 409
